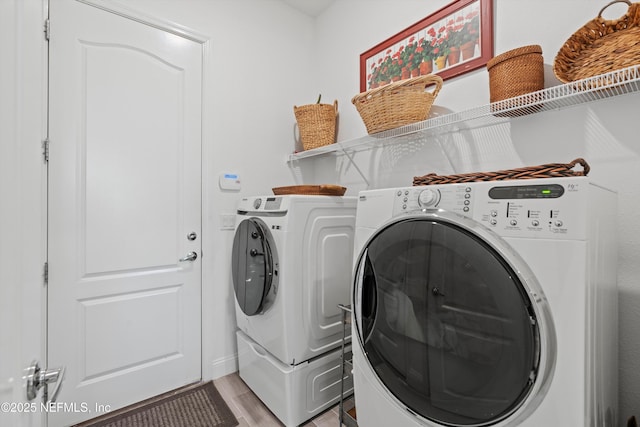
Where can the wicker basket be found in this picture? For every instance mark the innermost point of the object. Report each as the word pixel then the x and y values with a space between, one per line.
pixel 316 190
pixel 397 104
pixel 516 72
pixel 317 124
pixel 601 46
pixel 551 170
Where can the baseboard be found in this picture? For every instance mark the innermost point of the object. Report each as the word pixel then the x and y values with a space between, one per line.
pixel 221 367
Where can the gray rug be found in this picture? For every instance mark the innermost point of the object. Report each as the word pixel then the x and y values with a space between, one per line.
pixel 200 406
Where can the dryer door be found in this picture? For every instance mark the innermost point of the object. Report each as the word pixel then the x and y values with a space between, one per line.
pixel 445 321
pixel 254 265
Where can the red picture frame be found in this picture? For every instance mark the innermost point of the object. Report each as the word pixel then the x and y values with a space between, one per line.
pixel 454 40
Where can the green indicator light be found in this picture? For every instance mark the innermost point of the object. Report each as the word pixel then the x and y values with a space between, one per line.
pixel 546 191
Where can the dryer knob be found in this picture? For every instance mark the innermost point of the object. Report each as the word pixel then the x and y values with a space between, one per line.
pixel 428 198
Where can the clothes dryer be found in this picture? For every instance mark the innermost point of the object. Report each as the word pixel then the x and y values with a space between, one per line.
pixel 486 304
pixel 291 265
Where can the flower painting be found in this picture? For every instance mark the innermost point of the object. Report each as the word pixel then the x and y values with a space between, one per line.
pixel 455 39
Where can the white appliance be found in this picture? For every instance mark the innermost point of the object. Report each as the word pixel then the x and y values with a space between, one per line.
pixel 486 304
pixel 291 265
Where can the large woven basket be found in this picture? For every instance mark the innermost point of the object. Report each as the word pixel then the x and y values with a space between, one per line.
pixel 397 104
pixel 316 124
pixel 600 46
pixel 551 170
pixel 516 72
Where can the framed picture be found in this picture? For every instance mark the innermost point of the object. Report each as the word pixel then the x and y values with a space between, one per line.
pixel 455 39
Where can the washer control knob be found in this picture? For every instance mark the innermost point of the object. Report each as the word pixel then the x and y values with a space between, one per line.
pixel 428 198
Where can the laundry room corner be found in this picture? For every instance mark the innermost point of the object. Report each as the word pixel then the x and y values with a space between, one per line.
pixel 601 132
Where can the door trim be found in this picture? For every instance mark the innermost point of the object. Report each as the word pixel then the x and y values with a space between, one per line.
pixel 136 15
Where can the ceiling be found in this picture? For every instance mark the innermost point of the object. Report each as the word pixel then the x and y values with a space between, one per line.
pixel 310 7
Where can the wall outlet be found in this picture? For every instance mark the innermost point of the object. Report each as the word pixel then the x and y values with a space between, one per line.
pixel 227 222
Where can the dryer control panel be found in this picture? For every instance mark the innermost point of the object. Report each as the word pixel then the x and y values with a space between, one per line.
pixel 537 208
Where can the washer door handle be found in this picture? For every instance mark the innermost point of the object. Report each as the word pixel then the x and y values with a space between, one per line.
pixel 437 292
pixel 255 253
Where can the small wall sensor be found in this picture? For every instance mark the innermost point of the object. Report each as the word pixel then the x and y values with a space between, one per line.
pixel 229 181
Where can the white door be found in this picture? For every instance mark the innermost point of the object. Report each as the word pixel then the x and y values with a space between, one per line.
pixel 124 210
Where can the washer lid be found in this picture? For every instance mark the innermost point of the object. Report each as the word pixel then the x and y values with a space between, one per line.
pixel 446 321
pixel 254 266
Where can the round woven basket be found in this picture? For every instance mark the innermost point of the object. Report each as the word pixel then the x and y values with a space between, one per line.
pixel 317 124
pixel 397 104
pixel 516 72
pixel 600 46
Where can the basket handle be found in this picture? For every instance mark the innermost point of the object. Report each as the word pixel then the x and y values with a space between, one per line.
pixel 613 2
pixel 582 162
pixel 437 81
pixel 335 106
pixel 431 79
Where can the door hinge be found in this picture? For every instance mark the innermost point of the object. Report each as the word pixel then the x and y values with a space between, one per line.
pixel 45 273
pixel 45 150
pixel 47 29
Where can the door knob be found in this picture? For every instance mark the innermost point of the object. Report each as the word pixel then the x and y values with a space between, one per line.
pixel 38 378
pixel 191 256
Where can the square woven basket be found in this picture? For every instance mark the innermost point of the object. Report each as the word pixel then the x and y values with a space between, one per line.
pixel 397 104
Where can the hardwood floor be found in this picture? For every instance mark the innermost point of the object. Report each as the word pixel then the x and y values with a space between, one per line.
pixel 251 412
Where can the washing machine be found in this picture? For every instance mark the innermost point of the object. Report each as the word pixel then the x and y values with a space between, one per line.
pixel 291 266
pixel 486 304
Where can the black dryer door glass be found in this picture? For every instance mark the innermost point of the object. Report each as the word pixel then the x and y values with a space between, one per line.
pixel 446 324
pixel 252 265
